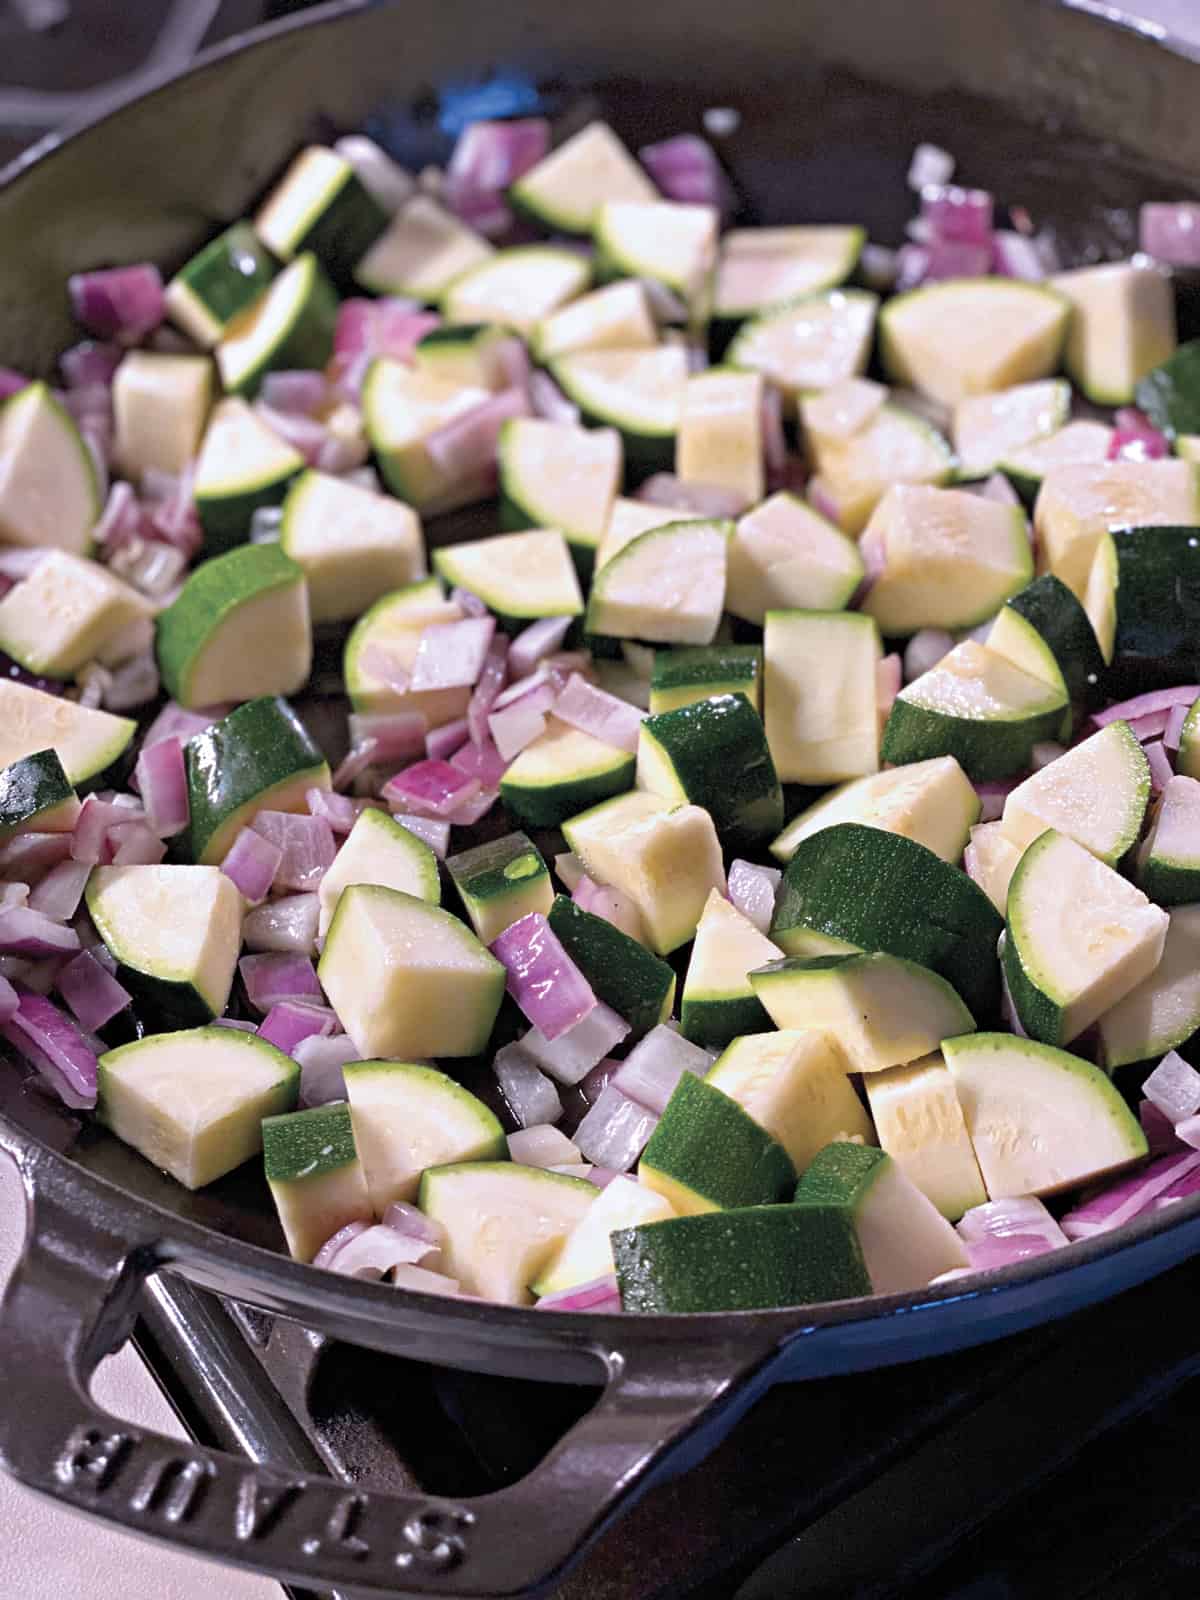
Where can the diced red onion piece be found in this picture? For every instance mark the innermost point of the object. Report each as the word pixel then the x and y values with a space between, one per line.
pixel 547 400
pixel 992 797
pixel 92 992
pixel 912 266
pixel 174 722
pixel 272 978
pixel 492 677
pixel 414 1224
pixel 299 392
pixel 321 1059
pixel 488 157
pixel 19 564
pixel 306 843
pixel 572 1055
pixel 1122 1201
pixel 325 1255
pixel 702 499
pixel 441 743
pixel 1153 725
pixel 988 1254
pixel 251 862
pixel 379 1250
pixel 1161 770
pixel 162 784
pixel 466 445
pixel 1158 1128
pixel 1143 704
pixel 531 1096
pixel 958 216
pixel 1021 1215
pixel 534 643
pixel 665 305
pixel 540 682
pixel 338 810
pixel 132 684
pixel 287 926
pixel 1188 1131
pixel 593 1084
pixel 653 1067
pixel 603 1176
pixel 431 789
pixel 542 978
pixel 90 364
pixel 569 869
pixel 397 735
pixel 1014 255
pixel 435 834
pixel 1170 232
pixel 752 890
pixel 929 165
pixel 58 894
pixel 602 900
pixel 615 1131
pixel 17 894
pixel 924 650
pixel 482 761
pixel 1174 1087
pixel 514 727
pixel 889 675
pixel 48 1039
pixel 420 1280
pixel 1188 1183
pixel 602 715
pixel 360 759
pixel 90 839
pixel 469 604
pixel 600 1296
pixel 36 976
pixel 305 434
pixel 541 1145
pixel 121 519
pixel 1173 732
pixel 27 855
pixel 135 844
pixel 25 932
pixel 124 303
pixel 9 1000
pixel 450 655
pixel 686 169
pixel 1135 438
pixel 289 1022
pixel 775 454
pixel 12 382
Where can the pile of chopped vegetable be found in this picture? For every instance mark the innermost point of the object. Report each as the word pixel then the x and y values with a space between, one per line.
pixel 802 549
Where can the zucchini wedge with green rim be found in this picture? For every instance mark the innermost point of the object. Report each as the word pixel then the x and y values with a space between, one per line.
pixel 1078 938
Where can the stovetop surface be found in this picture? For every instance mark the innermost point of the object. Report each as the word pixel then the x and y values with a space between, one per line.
pixel 1058 1463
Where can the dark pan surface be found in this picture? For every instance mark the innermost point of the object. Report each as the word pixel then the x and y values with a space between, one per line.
pixel 1072 120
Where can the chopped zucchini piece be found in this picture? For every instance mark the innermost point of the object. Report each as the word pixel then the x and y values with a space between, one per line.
pixel 1077 444
pixel 929 801
pixel 819 693
pixel 692 673
pixel 238 629
pixel 663 240
pixel 67 612
pixel 920 1124
pixel 1046 632
pixel 811 343
pixel 566 189
pixel 244 465
pixel 993 860
pixel 707 1154
pixel 587 1254
pixel 219 282
pixel 500 882
pixel 763 267
pixel 666 586
pixel 894 446
pixel 973 336
pixel 1040 1120
pixel 882 1010
pixel 314 1175
pixel 407 979
pixel 36 796
pixel 517 288
pixel 321 204
pixel 639 392
pixel 421 252
pixel 624 974
pixel 554 475
pixel 1163 1012
pixel 950 559
pixel 990 428
pixel 402 408
pixel 720 432
pixel 290 325
pixel 194 1102
pixel 86 741
pixel 719 1002
pixel 354 546
pixel 49 490
pixel 1079 938
pixel 1168 863
pixel 563 772
pixel 714 753
pixel 160 405
pixel 1122 326
pixel 615 317
pixel 665 857
pixel 518 575
pixel 785 557
pixel 1095 793
pixel 380 851
pixel 978 707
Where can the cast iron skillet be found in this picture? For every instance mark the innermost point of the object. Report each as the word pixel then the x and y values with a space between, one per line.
pixel 1049 106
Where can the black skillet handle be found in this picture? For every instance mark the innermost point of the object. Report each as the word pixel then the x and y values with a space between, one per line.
pixel 73 1299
